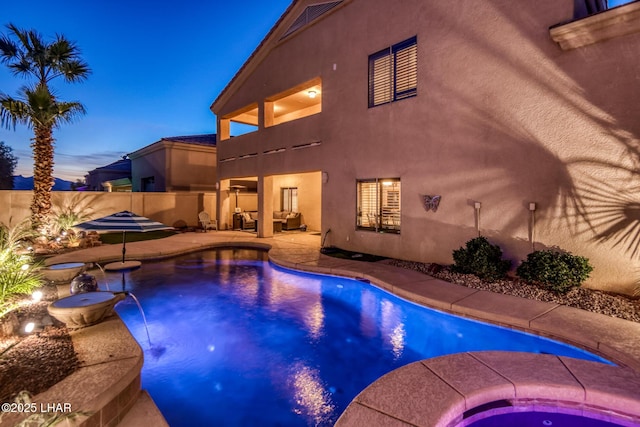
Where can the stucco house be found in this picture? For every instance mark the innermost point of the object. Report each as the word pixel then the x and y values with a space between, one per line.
pixel 179 163
pixel 112 177
pixel 409 127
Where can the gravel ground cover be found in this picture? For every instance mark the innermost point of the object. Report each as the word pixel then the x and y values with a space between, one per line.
pixel 587 299
pixel 34 362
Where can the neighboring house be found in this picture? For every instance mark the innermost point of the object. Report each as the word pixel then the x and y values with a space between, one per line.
pixel 522 118
pixel 113 177
pixel 180 163
pixel 26 183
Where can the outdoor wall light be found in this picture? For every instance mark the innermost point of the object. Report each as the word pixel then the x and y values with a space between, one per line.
pixel 312 94
pixel 29 327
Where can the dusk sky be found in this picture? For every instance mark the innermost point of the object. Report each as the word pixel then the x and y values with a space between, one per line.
pixel 156 68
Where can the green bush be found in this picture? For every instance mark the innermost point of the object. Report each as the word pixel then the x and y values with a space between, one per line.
pixel 481 258
pixel 18 274
pixel 557 271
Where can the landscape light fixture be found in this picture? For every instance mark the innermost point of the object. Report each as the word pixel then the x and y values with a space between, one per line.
pixel 29 327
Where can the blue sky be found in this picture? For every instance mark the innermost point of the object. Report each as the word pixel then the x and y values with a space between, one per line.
pixel 156 68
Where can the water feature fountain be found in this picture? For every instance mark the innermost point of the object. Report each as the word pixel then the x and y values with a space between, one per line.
pixel 84 309
pixel 62 273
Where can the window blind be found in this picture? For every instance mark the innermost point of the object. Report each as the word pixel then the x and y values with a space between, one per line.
pixel 378 204
pixel 406 70
pixel 393 73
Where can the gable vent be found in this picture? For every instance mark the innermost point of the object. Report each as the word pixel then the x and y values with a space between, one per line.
pixel 311 13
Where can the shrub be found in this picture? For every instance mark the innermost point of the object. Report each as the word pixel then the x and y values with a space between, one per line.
pixel 557 271
pixel 64 220
pixel 18 274
pixel 481 258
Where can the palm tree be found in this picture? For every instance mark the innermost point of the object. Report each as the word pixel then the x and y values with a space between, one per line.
pixel 28 55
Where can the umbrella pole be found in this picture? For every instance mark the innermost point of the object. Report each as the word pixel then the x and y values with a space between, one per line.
pixel 124 248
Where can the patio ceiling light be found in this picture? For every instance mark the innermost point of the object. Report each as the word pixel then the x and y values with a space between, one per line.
pixel 312 94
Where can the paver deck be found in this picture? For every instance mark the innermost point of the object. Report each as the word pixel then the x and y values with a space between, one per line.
pixel 386 401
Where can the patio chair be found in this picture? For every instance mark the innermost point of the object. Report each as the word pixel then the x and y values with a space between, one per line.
pixel 207 222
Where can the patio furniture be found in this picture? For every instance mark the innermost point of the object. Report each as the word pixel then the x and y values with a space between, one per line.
pixel 207 222
pixel 289 220
pixel 249 220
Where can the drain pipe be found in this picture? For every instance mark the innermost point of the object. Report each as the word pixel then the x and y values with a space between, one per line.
pixel 324 238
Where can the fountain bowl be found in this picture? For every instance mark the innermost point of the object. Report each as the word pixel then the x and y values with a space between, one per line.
pixel 84 309
pixel 62 273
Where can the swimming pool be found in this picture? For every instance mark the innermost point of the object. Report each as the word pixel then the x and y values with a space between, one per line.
pixel 235 340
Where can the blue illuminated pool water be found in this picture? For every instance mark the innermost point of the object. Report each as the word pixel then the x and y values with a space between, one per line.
pixel 236 341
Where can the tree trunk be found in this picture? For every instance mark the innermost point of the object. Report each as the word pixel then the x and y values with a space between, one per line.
pixel 42 178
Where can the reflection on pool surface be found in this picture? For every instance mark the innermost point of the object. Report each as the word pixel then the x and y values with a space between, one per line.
pixel 236 341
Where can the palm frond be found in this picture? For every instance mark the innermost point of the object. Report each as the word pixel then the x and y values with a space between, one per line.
pixel 68 112
pixel 18 33
pixel 8 49
pixel 13 111
pixel 75 71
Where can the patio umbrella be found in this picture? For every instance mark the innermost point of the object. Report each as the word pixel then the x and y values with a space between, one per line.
pixel 122 221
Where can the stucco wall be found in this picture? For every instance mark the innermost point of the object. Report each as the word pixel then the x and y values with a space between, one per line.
pixel 191 168
pixel 152 164
pixel 503 117
pixel 174 209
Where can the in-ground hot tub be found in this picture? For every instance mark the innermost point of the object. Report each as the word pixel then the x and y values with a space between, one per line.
pixel 543 415
pixel 63 273
pixel 491 388
pixel 84 309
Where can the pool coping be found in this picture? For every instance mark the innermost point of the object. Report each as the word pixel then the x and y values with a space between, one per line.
pixel 603 335
pixel 462 385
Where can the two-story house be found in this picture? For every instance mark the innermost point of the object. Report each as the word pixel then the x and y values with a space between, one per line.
pixel 407 127
pixel 177 163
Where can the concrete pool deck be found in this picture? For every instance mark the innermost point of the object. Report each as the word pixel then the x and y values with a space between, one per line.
pixel 382 403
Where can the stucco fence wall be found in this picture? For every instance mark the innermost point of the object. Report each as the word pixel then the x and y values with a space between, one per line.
pixel 175 209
